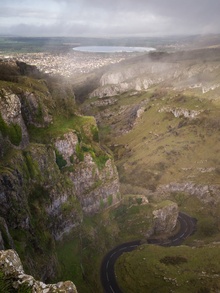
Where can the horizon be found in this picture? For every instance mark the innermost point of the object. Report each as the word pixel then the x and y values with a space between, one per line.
pixel 118 18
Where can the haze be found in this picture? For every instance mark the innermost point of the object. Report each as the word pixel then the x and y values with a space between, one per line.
pixel 109 18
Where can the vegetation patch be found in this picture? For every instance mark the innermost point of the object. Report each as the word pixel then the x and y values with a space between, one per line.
pixel 32 166
pixel 79 152
pixel 95 133
pixel 173 260
pixel 100 160
pixel 61 162
pixel 12 131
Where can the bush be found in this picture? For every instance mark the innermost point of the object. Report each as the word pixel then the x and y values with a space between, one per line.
pixel 13 131
pixel 139 200
pixel 60 160
pixel 100 160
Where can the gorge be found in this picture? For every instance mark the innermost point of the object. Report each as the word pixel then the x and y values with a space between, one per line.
pixel 107 158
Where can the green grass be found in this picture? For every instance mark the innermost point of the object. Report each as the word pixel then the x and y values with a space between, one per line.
pixel 80 256
pixel 69 257
pixel 180 269
pixel 60 126
pixel 161 145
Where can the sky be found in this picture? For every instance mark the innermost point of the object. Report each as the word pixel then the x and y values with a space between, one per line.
pixel 106 18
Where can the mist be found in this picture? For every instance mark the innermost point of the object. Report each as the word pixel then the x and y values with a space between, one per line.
pixel 109 18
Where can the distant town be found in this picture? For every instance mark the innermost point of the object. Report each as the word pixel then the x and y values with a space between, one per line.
pixel 66 64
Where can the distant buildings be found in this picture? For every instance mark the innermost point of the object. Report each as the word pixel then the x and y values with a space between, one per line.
pixel 69 64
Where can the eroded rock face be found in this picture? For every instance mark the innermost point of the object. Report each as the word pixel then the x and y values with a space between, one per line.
pixel 95 187
pixel 10 106
pixel 165 217
pixel 147 71
pixel 49 177
pixel 57 197
pixel 137 77
pixel 10 265
pixel 34 110
pixel 7 239
pixel 206 193
pixel 10 110
pixel 67 145
pixel 178 112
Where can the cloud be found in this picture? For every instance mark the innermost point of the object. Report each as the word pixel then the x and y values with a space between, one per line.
pixel 115 17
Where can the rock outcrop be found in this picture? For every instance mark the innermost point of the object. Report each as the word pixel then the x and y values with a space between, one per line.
pixel 178 112
pixel 96 187
pixel 15 277
pixel 174 69
pixel 208 194
pixel 165 217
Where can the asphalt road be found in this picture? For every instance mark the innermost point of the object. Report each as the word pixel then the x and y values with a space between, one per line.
pixel 107 274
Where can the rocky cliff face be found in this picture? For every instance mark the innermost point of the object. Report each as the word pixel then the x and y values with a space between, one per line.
pixel 15 278
pixel 175 70
pixel 53 169
pixel 208 194
pixel 165 217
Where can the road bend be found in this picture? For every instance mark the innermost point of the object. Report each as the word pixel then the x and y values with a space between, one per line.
pixel 107 273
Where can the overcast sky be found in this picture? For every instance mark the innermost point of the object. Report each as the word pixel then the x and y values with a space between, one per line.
pixel 109 17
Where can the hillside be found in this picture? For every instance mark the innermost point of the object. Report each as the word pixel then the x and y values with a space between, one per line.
pixel 159 114
pixel 160 134
pixel 53 171
pixel 107 158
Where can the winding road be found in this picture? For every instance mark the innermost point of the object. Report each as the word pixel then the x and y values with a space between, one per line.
pixel 107 274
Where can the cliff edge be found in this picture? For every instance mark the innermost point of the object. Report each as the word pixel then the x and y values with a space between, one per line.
pixel 53 170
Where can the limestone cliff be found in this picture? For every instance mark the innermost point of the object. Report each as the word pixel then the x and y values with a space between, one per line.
pixel 53 169
pixel 165 217
pixel 175 70
pixel 13 277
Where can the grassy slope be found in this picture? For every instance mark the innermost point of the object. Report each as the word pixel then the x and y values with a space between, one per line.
pixel 163 148
pixel 158 150
pixel 176 269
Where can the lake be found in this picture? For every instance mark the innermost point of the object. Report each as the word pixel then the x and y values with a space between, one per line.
pixel 112 49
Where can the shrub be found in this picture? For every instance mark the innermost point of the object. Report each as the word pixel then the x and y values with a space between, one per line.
pixel 139 200
pixel 100 160
pixel 13 131
pixel 60 160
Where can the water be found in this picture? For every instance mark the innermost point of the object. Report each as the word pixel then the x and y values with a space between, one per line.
pixel 112 49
